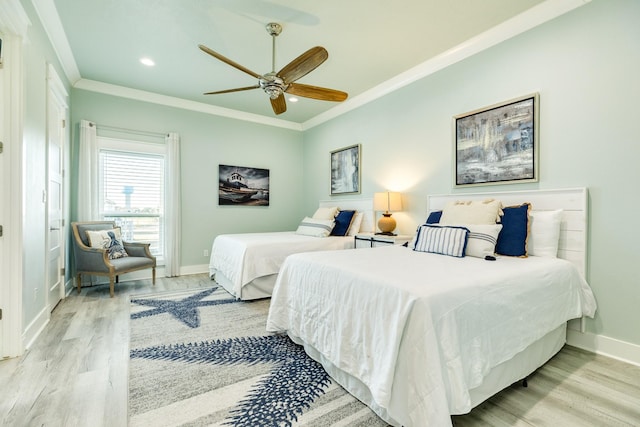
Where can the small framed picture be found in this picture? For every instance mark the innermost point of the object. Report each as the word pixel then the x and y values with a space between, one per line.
pixel 345 170
pixel 243 186
pixel 497 144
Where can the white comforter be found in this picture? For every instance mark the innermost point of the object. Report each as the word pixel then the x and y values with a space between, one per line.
pixel 420 330
pixel 245 257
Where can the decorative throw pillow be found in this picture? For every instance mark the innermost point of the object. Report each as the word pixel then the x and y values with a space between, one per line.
pixel 512 240
pixel 356 223
pixel 110 240
pixel 544 233
pixel 343 221
pixel 325 213
pixel 315 227
pixel 472 212
pixel 447 240
pixel 482 239
pixel 434 217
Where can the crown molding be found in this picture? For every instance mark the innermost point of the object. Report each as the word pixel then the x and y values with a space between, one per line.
pixel 50 20
pixel 519 24
pixel 13 18
pixel 170 101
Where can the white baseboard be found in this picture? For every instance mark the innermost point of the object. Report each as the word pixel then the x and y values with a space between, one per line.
pixel 34 329
pixel 610 347
pixel 194 269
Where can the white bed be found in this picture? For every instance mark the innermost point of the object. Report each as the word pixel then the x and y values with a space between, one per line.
pixel 424 336
pixel 247 264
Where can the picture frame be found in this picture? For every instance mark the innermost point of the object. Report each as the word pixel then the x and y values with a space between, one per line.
pixel 243 186
pixel 498 144
pixel 346 170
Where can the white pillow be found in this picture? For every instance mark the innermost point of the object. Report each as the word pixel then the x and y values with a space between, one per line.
pixel 472 212
pixel 325 213
pixel 544 233
pixel 110 240
pixel 446 240
pixel 354 228
pixel 482 239
pixel 315 227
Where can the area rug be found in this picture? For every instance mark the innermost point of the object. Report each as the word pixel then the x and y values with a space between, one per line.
pixel 202 358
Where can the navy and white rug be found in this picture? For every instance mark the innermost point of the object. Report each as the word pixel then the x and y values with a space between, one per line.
pixel 201 358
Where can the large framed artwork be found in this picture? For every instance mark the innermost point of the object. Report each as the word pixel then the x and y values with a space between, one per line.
pixel 345 170
pixel 243 186
pixel 497 144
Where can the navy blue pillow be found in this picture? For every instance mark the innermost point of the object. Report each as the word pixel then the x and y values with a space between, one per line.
pixel 512 240
pixel 343 221
pixel 434 217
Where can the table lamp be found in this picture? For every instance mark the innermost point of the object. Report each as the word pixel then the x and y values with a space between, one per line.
pixel 387 202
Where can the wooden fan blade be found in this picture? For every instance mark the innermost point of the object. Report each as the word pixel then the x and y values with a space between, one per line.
pixel 315 92
pixel 303 64
pixel 228 61
pixel 232 90
pixel 279 105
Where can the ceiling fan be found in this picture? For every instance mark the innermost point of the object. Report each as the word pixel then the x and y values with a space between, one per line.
pixel 277 84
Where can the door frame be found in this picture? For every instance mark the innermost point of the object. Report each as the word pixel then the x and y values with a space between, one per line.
pixel 13 25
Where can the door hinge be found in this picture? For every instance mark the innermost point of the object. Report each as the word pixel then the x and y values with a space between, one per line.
pixel 1 147
pixel 64 123
pixel 0 314
pixel 0 231
pixel 62 271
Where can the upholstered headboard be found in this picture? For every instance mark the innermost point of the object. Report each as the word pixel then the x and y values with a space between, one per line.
pixel 361 205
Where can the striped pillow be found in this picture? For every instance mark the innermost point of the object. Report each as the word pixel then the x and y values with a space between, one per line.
pixel 445 240
pixel 315 227
pixel 482 239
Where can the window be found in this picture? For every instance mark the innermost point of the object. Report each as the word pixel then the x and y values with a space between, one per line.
pixel 132 191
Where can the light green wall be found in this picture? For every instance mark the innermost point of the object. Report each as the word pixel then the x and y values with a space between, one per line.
pixel 584 65
pixel 206 142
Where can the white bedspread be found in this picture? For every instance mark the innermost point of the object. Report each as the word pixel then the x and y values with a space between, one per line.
pixel 247 256
pixel 445 321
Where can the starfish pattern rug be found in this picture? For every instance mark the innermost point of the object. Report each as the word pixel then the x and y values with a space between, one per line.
pixel 203 358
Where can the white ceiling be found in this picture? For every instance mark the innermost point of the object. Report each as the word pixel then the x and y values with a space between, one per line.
pixel 371 45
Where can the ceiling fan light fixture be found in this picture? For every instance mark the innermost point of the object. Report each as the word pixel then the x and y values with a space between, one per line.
pixel 273 85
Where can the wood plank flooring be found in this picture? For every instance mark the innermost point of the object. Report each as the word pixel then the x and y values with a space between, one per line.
pixel 76 374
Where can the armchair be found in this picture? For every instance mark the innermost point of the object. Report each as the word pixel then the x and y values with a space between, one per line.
pixel 95 261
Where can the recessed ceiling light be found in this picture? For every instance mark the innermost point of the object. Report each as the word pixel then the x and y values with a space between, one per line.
pixel 147 61
pixel 293 99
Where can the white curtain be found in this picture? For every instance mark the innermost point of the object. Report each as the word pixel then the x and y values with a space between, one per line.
pixel 172 206
pixel 88 172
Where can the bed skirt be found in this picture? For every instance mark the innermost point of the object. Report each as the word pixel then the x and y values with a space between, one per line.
pixel 500 377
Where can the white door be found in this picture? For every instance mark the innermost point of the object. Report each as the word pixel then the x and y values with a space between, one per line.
pixel 56 118
pixel 3 196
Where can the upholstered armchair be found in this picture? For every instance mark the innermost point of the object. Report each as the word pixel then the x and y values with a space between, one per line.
pixel 100 260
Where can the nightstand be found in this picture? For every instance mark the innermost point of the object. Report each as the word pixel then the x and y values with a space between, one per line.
pixel 370 240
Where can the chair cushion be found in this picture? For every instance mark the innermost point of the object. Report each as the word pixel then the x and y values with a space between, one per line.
pixel 131 262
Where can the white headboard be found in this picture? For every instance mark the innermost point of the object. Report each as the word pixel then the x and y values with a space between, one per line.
pixel 573 202
pixel 360 205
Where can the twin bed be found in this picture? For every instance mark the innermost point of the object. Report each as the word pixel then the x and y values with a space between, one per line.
pixel 421 336
pixel 247 264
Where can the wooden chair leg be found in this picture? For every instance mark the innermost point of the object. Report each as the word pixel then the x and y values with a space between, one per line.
pixel 111 286
pixel 78 282
pixel 153 275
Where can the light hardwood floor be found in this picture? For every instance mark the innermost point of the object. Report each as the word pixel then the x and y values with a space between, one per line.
pixel 76 374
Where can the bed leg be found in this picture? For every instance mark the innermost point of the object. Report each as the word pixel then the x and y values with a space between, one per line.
pixel 524 383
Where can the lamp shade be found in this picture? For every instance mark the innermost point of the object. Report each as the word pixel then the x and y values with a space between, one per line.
pixel 388 201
